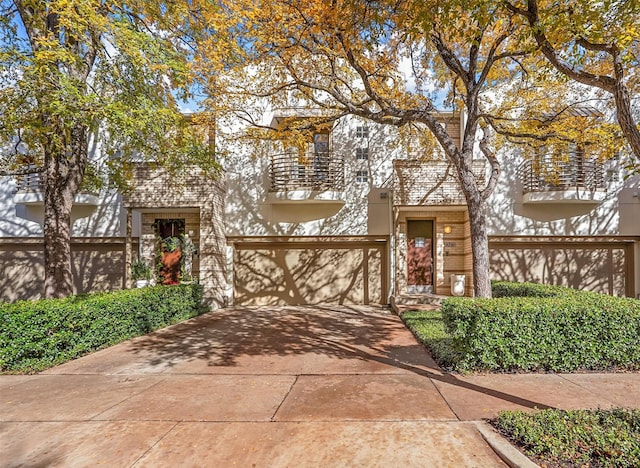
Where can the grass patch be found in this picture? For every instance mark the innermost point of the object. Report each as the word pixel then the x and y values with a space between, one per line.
pixel 593 438
pixel 428 327
pixel 36 335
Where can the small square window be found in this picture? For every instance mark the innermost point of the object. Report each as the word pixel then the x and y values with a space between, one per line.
pixel 613 175
pixel 362 154
pixel 362 132
pixel 362 176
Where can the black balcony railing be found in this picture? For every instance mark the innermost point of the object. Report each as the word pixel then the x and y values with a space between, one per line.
pixel 312 171
pixel 547 174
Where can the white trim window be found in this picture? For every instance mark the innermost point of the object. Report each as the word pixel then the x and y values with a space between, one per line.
pixel 362 131
pixel 362 176
pixel 362 154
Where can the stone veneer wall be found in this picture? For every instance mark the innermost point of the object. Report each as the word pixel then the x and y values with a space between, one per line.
pixel 452 252
pixel 430 183
pixel 197 199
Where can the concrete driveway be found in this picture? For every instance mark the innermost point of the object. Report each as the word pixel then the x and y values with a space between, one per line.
pixel 288 386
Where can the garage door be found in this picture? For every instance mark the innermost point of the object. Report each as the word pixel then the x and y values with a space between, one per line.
pixel 310 271
pixel 605 267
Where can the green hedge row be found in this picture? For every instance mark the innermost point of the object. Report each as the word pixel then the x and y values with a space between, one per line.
pixel 35 335
pixel 551 329
pixel 509 289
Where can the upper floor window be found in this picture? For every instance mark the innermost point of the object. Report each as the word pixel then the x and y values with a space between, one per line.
pixel 362 132
pixel 362 176
pixel 321 143
pixel 362 154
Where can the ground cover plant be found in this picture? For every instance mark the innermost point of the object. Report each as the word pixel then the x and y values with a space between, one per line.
pixel 35 335
pixel 593 438
pixel 530 327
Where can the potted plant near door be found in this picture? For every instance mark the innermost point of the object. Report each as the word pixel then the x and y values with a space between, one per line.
pixel 141 273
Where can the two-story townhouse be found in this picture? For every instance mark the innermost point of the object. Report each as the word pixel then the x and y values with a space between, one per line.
pixel 354 217
pixel 395 223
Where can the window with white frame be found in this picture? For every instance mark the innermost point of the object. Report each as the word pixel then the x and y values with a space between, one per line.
pixel 362 154
pixel 362 176
pixel 362 131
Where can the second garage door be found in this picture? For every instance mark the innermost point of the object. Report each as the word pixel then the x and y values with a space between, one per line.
pixel 309 271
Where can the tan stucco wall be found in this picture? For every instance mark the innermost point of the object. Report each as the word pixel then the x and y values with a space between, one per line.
pixel 97 265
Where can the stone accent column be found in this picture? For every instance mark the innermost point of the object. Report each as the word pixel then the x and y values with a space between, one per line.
pixel 213 247
pixel 127 252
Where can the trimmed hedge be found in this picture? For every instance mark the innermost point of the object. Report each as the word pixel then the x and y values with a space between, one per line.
pixel 551 329
pixel 575 438
pixel 509 289
pixel 35 335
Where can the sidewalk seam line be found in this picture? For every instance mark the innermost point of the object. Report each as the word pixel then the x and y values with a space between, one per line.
pixel 273 416
pixel 93 418
pixel 597 395
pixel 444 398
pixel 155 443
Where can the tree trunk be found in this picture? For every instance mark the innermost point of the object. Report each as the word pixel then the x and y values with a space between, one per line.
pixel 478 226
pixel 62 177
pixel 479 248
pixel 625 116
pixel 58 200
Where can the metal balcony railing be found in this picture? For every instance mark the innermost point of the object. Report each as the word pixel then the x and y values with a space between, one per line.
pixel 312 171
pixel 34 183
pixel 547 174
pixel 29 183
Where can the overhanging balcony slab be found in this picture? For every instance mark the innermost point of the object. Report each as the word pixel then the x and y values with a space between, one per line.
pixel 575 195
pixel 297 206
pixel 36 197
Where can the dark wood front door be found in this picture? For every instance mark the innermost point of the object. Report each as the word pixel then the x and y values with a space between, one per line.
pixel 419 256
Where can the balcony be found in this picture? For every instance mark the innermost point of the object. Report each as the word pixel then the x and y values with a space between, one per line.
pixel 30 191
pixel 313 172
pixel 576 180
pixel 306 187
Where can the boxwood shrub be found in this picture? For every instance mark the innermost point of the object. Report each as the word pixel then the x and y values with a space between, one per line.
pixel 593 438
pixel 550 329
pixel 509 289
pixel 35 335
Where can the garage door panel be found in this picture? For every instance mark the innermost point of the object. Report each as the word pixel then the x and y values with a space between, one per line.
pixel 270 275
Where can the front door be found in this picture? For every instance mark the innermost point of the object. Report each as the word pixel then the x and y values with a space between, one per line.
pixel 419 256
pixel 170 233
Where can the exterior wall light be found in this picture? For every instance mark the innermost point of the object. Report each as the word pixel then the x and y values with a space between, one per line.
pixel 447 229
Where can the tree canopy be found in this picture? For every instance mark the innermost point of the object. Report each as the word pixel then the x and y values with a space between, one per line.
pixel 111 72
pixel 596 44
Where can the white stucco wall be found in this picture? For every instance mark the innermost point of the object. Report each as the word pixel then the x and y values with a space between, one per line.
pixel 107 218
pixel 249 213
pixel 507 215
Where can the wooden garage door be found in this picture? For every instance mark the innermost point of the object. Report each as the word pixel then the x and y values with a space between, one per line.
pixel 337 271
pixel 605 267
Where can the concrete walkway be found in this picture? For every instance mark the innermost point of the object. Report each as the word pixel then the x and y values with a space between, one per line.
pixel 289 386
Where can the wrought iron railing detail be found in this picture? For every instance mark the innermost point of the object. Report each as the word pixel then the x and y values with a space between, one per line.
pixel 319 171
pixel 547 174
